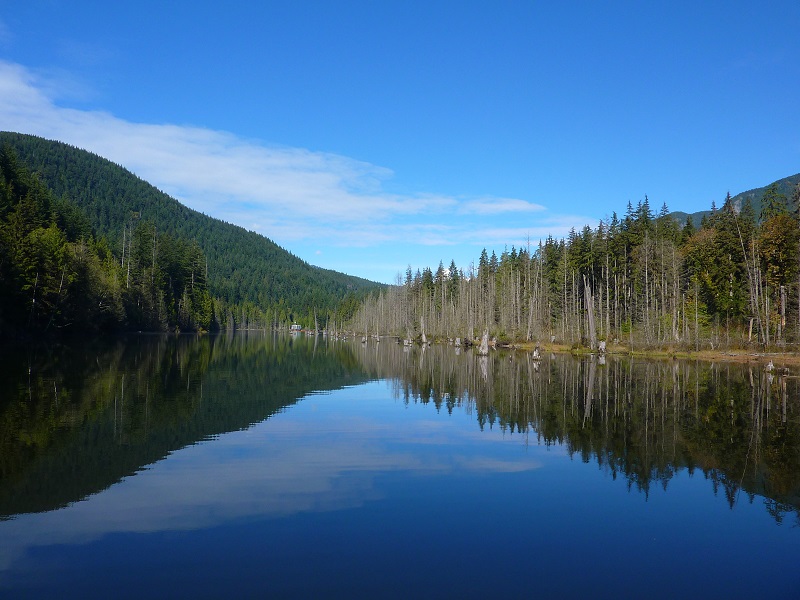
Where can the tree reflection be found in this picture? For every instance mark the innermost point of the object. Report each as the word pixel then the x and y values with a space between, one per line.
pixel 643 420
pixel 74 420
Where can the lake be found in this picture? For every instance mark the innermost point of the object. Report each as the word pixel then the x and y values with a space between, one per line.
pixel 261 465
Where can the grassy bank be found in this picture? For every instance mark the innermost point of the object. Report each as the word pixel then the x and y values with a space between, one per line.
pixel 779 359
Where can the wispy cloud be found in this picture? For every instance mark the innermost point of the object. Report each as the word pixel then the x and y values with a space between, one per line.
pixel 292 195
pixel 243 181
pixel 490 206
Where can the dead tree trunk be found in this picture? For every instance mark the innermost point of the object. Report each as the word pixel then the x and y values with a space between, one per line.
pixel 589 299
pixel 483 350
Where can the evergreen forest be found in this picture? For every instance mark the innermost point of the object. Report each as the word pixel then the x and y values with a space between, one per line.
pixel 642 280
pixel 85 245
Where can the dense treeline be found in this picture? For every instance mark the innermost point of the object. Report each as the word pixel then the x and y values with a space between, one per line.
pixel 56 276
pixel 256 283
pixel 643 279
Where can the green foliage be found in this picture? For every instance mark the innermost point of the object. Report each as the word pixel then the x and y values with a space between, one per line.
pixel 779 241
pixel 773 202
pixel 715 260
pixel 244 268
pixel 54 276
pixel 645 279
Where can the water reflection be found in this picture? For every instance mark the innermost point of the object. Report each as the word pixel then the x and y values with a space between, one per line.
pixel 308 467
pixel 643 420
pixel 74 421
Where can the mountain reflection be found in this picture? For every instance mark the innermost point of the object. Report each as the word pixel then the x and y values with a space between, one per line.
pixel 73 421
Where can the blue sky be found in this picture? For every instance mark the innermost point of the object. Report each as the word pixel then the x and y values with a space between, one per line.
pixel 367 136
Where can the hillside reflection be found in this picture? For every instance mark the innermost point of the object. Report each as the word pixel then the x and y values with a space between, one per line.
pixel 75 420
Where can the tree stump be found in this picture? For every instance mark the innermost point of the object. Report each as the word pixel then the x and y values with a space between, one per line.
pixel 483 350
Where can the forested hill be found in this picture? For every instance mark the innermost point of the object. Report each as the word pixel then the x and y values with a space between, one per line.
pixel 244 268
pixel 785 186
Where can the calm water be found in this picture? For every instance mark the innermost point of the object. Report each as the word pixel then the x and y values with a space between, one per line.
pixel 269 466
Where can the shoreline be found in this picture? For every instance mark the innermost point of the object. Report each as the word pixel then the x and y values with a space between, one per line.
pixel 740 356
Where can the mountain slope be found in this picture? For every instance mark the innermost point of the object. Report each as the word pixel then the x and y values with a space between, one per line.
pixel 786 186
pixel 242 266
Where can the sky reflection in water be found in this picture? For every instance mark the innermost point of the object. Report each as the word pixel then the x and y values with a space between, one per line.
pixel 355 492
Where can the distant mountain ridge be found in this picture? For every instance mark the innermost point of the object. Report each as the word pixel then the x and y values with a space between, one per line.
pixel 786 186
pixel 243 266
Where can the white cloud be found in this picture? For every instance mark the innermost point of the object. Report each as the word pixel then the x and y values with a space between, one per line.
pixel 491 206
pixel 291 195
pixel 241 181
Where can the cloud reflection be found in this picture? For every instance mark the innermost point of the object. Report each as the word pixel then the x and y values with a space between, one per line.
pixel 323 454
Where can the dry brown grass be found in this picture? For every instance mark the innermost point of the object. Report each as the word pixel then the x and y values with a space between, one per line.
pixel 779 359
